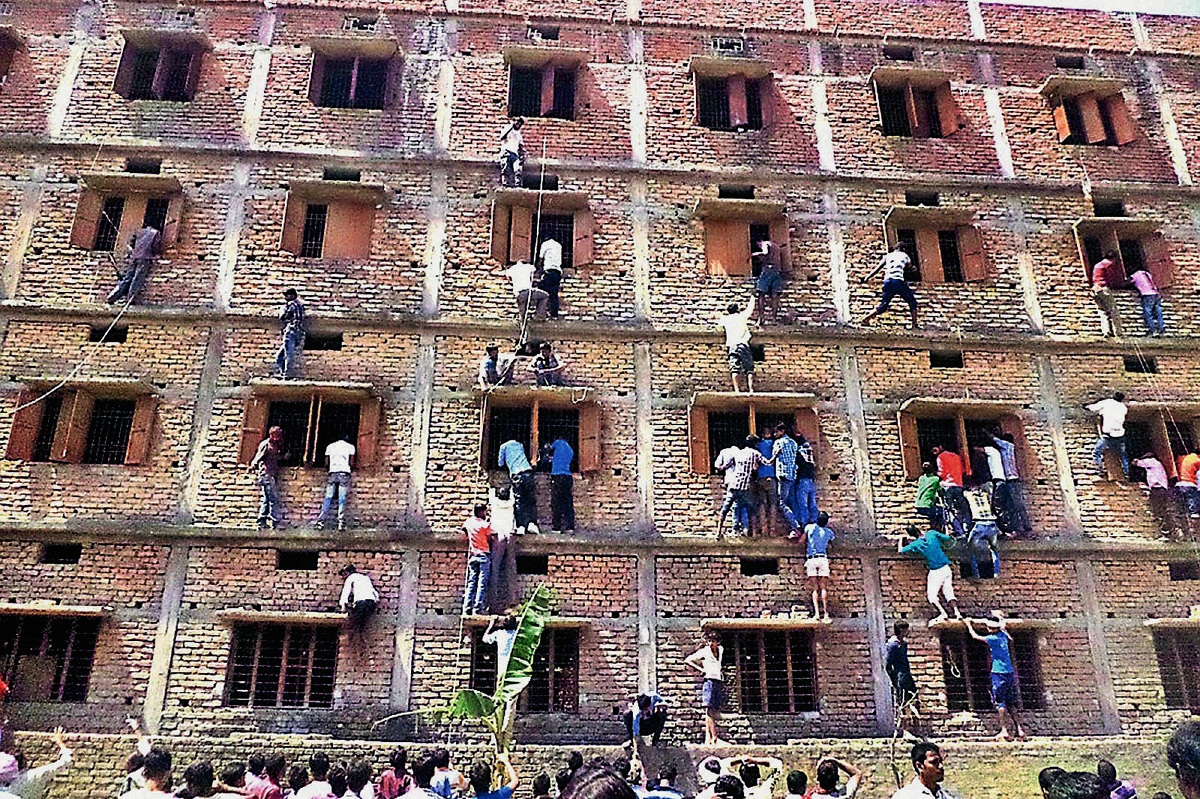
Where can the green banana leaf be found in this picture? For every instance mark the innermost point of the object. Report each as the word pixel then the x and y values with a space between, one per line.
pixel 530 625
pixel 470 704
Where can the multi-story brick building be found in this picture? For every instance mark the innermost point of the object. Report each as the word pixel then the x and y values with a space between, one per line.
pixel 349 151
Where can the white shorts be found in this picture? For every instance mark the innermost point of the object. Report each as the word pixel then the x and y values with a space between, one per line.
pixel 817 566
pixel 940 580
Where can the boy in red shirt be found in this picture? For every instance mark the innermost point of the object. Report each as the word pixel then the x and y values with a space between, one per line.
pixel 950 470
pixel 479 561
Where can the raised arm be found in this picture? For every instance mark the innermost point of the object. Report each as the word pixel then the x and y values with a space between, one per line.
pixel 510 773
pixel 971 630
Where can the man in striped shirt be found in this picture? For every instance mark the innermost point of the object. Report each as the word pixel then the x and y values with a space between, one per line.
pixel 741 466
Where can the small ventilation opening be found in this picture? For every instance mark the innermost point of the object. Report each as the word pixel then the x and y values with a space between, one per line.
pixel 945 360
pixel 1108 207
pixel 144 166
pixel 343 173
pixel 729 191
pixel 929 198
pixel 101 334
pixel 899 52
pixel 61 554
pixel 759 567
pixel 1185 570
pixel 301 560
pixel 1070 62
pixel 1141 364
pixel 533 564
pixel 536 181
pixel 758 352
pixel 322 341
pixel 547 33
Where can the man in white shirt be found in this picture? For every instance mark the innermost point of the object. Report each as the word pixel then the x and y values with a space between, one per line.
pixel 339 457
pixel 359 597
pixel 550 258
pixel 707 660
pixel 927 762
pixel 893 265
pixel 530 298
pixel 512 153
pixel 1112 413
pixel 501 632
pixel 32 784
pixel 736 324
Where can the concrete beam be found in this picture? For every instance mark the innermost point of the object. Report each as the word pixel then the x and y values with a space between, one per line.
pixel 640 217
pixel 1025 267
pixel 164 638
pixel 202 414
pixel 1106 694
pixel 1048 386
pixel 638 96
pixel 839 278
pixel 864 494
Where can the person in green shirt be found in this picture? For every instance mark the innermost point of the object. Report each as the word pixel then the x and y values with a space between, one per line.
pixel 927 491
pixel 932 547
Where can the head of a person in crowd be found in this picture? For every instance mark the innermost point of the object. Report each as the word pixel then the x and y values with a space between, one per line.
pixel 337 780
pixel 938 449
pixel 234 775
pixel 750 774
pixel 797 782
pixel 541 785
pixel 667 776
pixel 912 531
pixel 156 768
pixel 1047 777
pixel 928 468
pixel 1161 795
pixel 822 519
pixel 733 307
pixel 728 786
pixel 752 442
pixel 1107 772
pixel 276 766
pixel 827 775
pixel 348 570
pixel 1077 785
pixel 708 770
pixel 134 762
pixel 256 763
pixel 1183 756
pixel 199 778
pixel 398 760
pixel 358 775
pixel 275 435
pixel 318 764
pixel 493 351
pixel 290 294
pixel 766 433
pixel 622 766
pixel 590 782
pixel 518 123
pixel 1119 396
pixel 422 772
pixel 900 629
pixel 481 778
pixel 297 777
pixel 927 763
pixel 562 777
pixel 1111 255
pixel 480 513
pixel 441 758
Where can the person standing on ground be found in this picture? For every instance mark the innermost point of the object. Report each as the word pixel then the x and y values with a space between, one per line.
pixel 1183 757
pixel 927 763
pixel 828 772
pixel 512 153
pixel 928 486
pixel 266 464
pixel 905 696
pixel 1112 413
pixel 1151 299
pixel 520 473
pixel 479 562
pixel 931 546
pixel 562 487
pixel 359 598
pixel 339 459
pixel 156 770
pixel 447 782
pixel 736 324
pixel 894 265
pixel 481 780
pixel 551 260
pixel 318 785
pixel 33 783
pixel 1114 788
pixel 707 660
pixel 144 247
pixel 951 472
pixel 1102 293
pixel 295 325
pixel 769 284
pixel 1004 676
pixel 816 563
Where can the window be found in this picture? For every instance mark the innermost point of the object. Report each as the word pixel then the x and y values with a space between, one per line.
pixel 759 567
pixel 729 103
pixel 154 69
pixel 925 424
pixel 729 45
pixel 547 33
pixel 542 91
pixel 297 560
pixel 560 228
pixel 918 198
pixel 720 422
pixel 967 665
pixel 109 227
pixel 1092 117
pixel 1108 207
pixel 945 359
pixel 517 232
pixel 351 81
pixel 77 426
pixel 103 334
pixel 554 685
pixel 9 45
pixel 112 207
pixel 143 166
pixel 1184 570
pixel 1151 427
pixel 728 242
pixel 312 238
pixel 483 662
pixel 310 423
pixel 281 665
pixel 899 52
pixel 1178 651
pixel 62 554
pixel 533 564
pixel 314 341
pixel 341 173
pixel 942 243
pixel 915 103
pixel 1141 364
pixel 728 191
pixel 330 219
pixel 1138 244
pixel 1070 62
pixel 539 421
pixel 47 658
pixel 539 181
pixel 774 671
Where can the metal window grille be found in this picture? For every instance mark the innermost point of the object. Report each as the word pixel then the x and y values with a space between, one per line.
pixel 767 421
pixel 108 227
pixel 560 423
pixel 908 240
pixel 337 83
pixel 505 424
pixel 524 92
pixel 561 228
pixel 336 420
pixel 775 671
pixel 62 554
pixel 554 684
pixel 294 417
pixel 1178 652
pixel 729 45
pixel 310 425
pixel 967 669
pixel 893 111
pixel 712 100
pixel 6 9
pixel 1131 255
pixel 940 432
pixel 564 94
pixel 281 665
pixel 927 105
pixel 312 241
pixel 178 66
pixel 48 658
pixel 360 24
pixel 108 432
pixel 726 429
pixel 156 213
pixel 44 443
pixel 370 83
pixel 141 84
pixel 754 104
pixel 951 263
pixel 483 664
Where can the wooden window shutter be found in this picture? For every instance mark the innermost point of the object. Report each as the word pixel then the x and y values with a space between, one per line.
pixel 367 447
pixel 808 425
pixel 1062 123
pixel 395 83
pixel 26 423
pixel 162 70
pixel 910 448
pixel 918 114
pixel 736 86
pixel 293 224
pixel 1027 460
pixel 521 241
pixel 589 437
pixel 170 233
pixel 1160 442
pixel 193 77
pixel 1124 128
pixel 727 247
pixel 254 427
pixel 781 234
pixel 878 104
pixel 584 249
pixel 123 81
pixel 947 110
pixel 1157 256
pixel 348 230
pixel 142 431
pixel 698 440
pixel 547 102
pixel 929 254
pixel 971 255
pixel 70 439
pixel 316 78
pixel 1093 123
pixel 501 226
pixel 132 217
pixel 695 98
pixel 87 218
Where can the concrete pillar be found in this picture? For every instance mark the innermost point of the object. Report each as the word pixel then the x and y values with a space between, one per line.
pixel 406 625
pixel 443 110
pixel 638 103
pixel 1110 717
pixel 235 220
pixel 975 13
pixel 839 278
pixel 435 242
pixel 855 413
pixel 643 388
pixel 1029 289
pixel 422 410
pixel 991 97
pixel 1055 421
pixel 164 638
pixel 647 623
pixel 877 634
pixel 256 89
pixel 31 201
pixel 640 215
pixel 202 414
pixel 810 15
pixel 821 125
pixel 62 95
pixel 1153 73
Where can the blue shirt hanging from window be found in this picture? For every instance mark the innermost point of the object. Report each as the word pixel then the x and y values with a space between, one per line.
pixel 560 460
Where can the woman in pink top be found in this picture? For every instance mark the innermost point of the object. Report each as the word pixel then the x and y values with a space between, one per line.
pixel 1152 312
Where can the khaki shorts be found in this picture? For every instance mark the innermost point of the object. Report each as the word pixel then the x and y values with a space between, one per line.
pixel 817 566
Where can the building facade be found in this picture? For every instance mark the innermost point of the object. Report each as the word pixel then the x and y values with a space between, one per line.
pixel 350 153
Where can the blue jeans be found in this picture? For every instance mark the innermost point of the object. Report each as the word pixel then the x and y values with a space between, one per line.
pixel 1152 313
pixel 787 501
pixel 1105 443
pixel 479 569
pixel 269 506
pixel 131 283
pixel 960 511
pixel 339 483
pixel 806 501
pixel 933 513
pixel 285 360
pixel 1191 496
pixel 742 504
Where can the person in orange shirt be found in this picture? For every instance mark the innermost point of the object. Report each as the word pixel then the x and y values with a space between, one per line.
pixel 479 562
pixel 951 472
pixel 1188 469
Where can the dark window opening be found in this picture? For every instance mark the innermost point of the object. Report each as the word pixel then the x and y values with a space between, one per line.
pixel 62 554
pixel 967 669
pixel 733 191
pixel 312 240
pixel 104 334
pixel 1131 255
pixel 564 95
pixel 899 52
pixel 1139 439
pixel 108 227
pixel 929 198
pixel 754 105
pixel 524 92
pixel 1074 121
pixel 341 173
pixel 1180 437
pixel 539 181
pixel 554 685
pixel 47 658
pixel 533 564
pixel 508 424
pixel 293 418
pixel 1070 62
pixel 944 359
pixel 758 352
pixel 141 85
pixel 108 432
pixel 483 663
pixel 281 665
pixel 322 341
pixel 370 84
pixel 726 429
pixel 712 101
pixel 561 228
pixel 335 86
pixel 1141 364
pixel 305 560
pixel 176 67
pixel 156 213
pixel 310 425
pixel 1102 207
pixel 354 83
pixel 951 264
pixel 554 423
pixel 338 420
pixel 1184 570
pixel 1178 652
pixel 547 33
pixel 936 432
pixel 767 421
pixel 893 111
pixel 758 232
pixel 47 427
pixel 759 567
pixel 1094 249
pixel 143 166
pixel 774 671
pixel 908 241
pixel 927 108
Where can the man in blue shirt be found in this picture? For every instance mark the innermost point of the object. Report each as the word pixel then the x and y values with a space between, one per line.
pixel 783 454
pixel 816 564
pixel 520 472
pixel 931 546
pixel 1004 676
pixel 562 487
pixel 766 495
